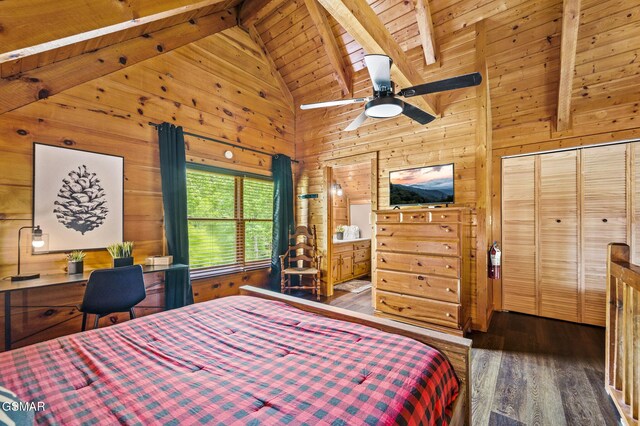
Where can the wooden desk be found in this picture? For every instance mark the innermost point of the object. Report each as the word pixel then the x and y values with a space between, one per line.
pixel 9 287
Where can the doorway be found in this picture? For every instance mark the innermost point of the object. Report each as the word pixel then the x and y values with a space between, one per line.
pixel 351 197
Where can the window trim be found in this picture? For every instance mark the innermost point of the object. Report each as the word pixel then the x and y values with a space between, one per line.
pixel 240 265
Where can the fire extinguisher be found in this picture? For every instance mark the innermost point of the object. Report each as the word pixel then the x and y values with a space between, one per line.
pixel 494 261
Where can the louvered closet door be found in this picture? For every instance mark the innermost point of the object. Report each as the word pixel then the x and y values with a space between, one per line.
pixel 558 236
pixel 518 235
pixel 603 221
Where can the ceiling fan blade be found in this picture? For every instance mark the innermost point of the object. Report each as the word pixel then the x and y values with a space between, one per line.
pixel 335 103
pixel 379 67
pixel 357 122
pixel 417 114
pixel 453 83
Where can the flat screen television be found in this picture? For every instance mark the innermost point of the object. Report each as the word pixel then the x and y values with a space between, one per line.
pixel 422 185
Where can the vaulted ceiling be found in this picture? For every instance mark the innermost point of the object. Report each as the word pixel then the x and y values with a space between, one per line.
pixel 543 48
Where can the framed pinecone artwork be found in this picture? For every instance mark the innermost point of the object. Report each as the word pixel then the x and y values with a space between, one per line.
pixel 78 197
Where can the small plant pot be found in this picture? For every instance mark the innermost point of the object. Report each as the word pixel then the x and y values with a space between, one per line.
pixel 122 261
pixel 339 235
pixel 75 267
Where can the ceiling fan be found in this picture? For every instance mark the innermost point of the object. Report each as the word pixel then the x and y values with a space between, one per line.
pixel 385 103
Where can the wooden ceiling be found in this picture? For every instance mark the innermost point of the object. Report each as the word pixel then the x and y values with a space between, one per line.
pixel 547 48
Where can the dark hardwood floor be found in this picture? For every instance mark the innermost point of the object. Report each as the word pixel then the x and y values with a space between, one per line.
pixel 529 370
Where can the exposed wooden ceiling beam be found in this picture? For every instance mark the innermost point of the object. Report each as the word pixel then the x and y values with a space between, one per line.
pixel 43 82
pixel 252 11
pixel 425 27
pixel 359 20
pixel 255 36
pixel 568 45
pixel 330 44
pixel 101 32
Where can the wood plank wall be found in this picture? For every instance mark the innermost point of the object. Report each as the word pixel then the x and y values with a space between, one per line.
pixel 400 142
pixel 523 55
pixel 219 87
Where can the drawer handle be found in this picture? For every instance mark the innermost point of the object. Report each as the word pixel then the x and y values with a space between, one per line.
pixel 443 216
pixel 383 229
pixel 386 217
pixel 413 216
pixel 449 315
pixel 446 228
pixel 383 244
pixel 383 280
pixel 447 246
pixel 382 260
pixel 448 290
pixel 420 277
pixel 396 308
pixel 447 266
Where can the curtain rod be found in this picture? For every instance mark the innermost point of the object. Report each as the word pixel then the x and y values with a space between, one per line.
pixel 156 125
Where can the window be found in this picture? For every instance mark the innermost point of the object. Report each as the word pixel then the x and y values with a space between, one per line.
pixel 230 218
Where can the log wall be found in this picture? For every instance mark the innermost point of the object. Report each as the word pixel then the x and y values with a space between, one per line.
pixel 219 87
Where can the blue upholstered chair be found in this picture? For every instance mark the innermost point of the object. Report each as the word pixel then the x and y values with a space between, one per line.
pixel 112 290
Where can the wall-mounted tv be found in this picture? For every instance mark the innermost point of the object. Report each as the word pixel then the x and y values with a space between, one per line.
pixel 422 185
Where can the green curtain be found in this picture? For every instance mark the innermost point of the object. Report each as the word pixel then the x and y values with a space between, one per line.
pixel 173 172
pixel 282 214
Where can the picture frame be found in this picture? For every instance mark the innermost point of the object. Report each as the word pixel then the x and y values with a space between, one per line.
pixel 79 201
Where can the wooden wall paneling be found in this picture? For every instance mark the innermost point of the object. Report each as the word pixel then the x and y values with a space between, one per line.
pixel 57 77
pixel 604 220
pixel 519 282
pixel 253 33
pixel 558 236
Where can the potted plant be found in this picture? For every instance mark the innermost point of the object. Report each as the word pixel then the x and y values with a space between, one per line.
pixel 121 253
pixel 75 262
pixel 340 231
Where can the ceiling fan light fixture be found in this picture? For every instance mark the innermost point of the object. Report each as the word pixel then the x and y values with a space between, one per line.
pixel 384 107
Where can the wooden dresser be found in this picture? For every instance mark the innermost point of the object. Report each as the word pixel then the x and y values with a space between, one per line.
pixel 350 259
pixel 422 267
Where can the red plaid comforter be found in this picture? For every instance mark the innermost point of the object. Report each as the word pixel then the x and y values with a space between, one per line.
pixel 237 360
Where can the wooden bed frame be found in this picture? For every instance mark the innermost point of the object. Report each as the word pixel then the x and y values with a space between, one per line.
pixel 456 349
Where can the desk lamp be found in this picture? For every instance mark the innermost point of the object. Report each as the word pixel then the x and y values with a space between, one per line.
pixel 36 241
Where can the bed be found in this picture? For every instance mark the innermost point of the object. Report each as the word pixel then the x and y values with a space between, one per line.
pixel 246 360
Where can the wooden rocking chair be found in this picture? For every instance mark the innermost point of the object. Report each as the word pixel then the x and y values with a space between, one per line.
pixel 301 259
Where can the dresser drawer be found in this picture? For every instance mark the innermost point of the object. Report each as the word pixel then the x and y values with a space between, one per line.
pixel 387 217
pixel 362 255
pixel 444 216
pixel 362 245
pixel 421 264
pixel 362 268
pixel 418 245
pixel 449 231
pixel 414 217
pixel 438 288
pixel 418 308
pixel 342 247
